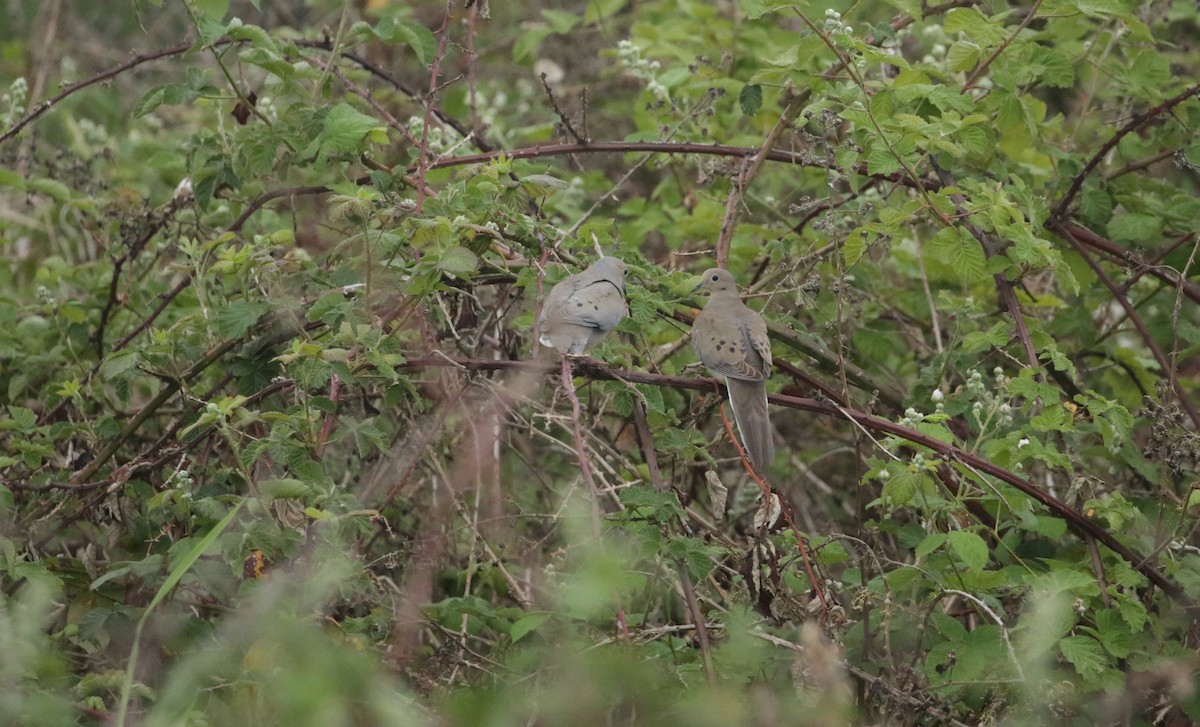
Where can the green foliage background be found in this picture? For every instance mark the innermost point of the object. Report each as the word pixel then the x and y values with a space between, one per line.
pixel 275 447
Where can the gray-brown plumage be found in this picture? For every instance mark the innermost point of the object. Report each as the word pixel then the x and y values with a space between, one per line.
pixel 731 341
pixel 584 307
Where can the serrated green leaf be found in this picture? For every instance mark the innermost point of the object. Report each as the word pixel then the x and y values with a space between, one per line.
pixel 215 9
pixel 458 261
pixel 529 43
pixel 1135 227
pixel 345 129
pixel 119 363
pixel 750 98
pixel 970 548
pixel 542 185
pixel 963 55
pixel 975 141
pixel 754 9
pixel 961 252
pixel 208 29
pixel 560 21
pixel 415 35
pixel 25 419
pixel 1114 634
pixel 527 624
pixel 901 488
pixel 931 542
pixel 598 10
pixel 285 488
pixel 995 337
pixel 1133 612
pixel 234 319
pixel 1085 654
pixel 256 35
pixel 976 26
pixel 1096 206
pixel 881 160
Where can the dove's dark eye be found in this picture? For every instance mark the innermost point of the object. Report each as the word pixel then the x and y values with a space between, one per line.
pixel 715 277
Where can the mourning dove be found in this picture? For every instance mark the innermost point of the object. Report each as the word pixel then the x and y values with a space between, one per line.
pixel 584 307
pixel 731 341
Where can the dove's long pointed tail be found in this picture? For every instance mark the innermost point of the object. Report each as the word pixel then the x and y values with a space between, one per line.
pixel 749 402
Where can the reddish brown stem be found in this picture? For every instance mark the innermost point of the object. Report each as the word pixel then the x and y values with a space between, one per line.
pixel 422 166
pixel 1134 124
pixel 1132 314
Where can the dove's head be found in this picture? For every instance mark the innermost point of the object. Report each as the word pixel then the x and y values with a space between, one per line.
pixel 717 281
pixel 612 269
pixel 615 265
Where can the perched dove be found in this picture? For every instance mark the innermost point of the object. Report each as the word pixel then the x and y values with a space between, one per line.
pixel 584 307
pixel 731 341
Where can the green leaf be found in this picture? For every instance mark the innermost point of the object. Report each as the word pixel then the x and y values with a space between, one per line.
pixel 1135 227
pixel 527 624
pixel 560 21
pixel 995 337
pixel 24 419
pixel 458 261
pixel 961 252
pixel 345 129
pixel 976 26
pixel 975 140
pixel 1096 206
pixel 970 548
pixel 415 35
pixel 750 98
pixel 215 9
pixel 119 364
pixel 598 10
pixel 285 488
pixel 1114 634
pixel 256 35
pixel 881 160
pixel 52 188
pixel 901 488
pixel 1132 612
pixel 911 8
pixel 9 178
pixel 932 542
pixel 234 319
pixel 754 9
pixel 1085 654
pixel 543 185
pixel 208 29
pixel 529 43
pixel 963 55
pixel 1111 417
pixel 178 569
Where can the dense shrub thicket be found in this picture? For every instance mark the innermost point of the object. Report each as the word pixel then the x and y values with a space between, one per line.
pixel 278 444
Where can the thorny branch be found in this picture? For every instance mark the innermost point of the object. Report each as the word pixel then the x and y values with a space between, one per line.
pixel 1076 520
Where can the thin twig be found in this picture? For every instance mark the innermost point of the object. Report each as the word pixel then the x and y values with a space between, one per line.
pixel 1004 44
pixel 767 494
pixel 1131 313
pixel 742 182
pixel 562 116
pixel 1074 519
pixel 1086 237
pixel 664 147
pixel 1134 124
pixel 422 165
